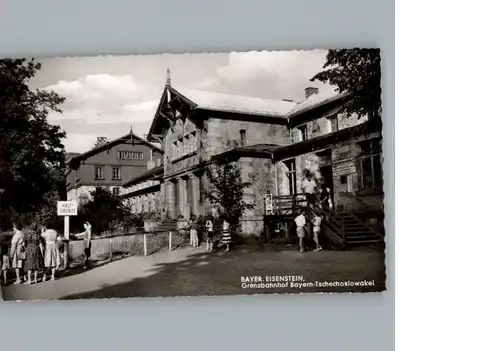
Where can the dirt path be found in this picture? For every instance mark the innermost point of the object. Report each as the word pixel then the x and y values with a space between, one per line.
pixel 110 274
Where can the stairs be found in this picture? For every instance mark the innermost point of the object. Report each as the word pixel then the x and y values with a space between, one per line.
pixel 346 230
pixel 167 225
pixel 354 231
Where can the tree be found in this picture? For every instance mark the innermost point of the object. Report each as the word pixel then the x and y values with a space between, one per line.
pixel 103 210
pixel 225 191
pixel 32 158
pixel 356 71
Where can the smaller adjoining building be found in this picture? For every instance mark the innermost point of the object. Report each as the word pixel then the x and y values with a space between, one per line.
pixel 143 192
pixel 109 164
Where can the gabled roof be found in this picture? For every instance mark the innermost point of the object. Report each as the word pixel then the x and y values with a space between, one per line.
pixel 70 155
pixel 230 103
pixel 127 137
pixel 207 100
pixel 315 101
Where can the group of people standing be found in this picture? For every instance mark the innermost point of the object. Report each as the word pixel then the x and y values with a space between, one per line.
pixel 35 249
pixel 193 227
pixel 311 189
pixel 32 249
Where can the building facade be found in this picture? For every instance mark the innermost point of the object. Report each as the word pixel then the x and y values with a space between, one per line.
pixel 273 141
pixel 143 192
pixel 109 165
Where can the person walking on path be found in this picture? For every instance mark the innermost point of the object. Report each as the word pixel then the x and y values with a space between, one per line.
pixel 209 225
pixel 17 254
pixel 226 233
pixel 87 243
pixel 34 258
pixel 51 254
pixel 193 232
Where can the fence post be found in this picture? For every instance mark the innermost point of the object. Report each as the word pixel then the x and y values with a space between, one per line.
pixel 145 245
pixel 170 240
pixel 111 249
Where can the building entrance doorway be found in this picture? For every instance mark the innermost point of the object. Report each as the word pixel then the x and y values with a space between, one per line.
pixel 327 174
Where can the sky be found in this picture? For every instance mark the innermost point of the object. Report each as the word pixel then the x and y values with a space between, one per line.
pixel 108 95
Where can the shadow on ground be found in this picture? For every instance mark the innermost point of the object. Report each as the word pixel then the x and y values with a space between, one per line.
pixel 220 272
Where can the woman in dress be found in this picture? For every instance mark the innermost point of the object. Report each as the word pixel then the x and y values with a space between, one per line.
pixel 209 226
pixel 51 257
pixel 34 249
pixel 226 233
pixel 17 251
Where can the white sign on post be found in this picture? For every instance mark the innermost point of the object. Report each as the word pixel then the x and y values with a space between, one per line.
pixel 66 209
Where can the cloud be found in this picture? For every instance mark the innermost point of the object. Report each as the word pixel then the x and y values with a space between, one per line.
pixel 108 105
pixel 79 142
pixel 268 74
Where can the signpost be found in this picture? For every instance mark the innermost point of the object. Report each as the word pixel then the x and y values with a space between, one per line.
pixel 66 209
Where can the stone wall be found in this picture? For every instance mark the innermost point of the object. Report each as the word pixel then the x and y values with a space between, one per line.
pixel 221 135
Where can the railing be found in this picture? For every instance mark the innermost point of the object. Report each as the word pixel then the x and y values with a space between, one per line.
pixel 107 246
pixel 289 204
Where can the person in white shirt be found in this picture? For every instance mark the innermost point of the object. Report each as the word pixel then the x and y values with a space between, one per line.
pixel 300 221
pixel 87 243
pixel 308 187
pixel 317 230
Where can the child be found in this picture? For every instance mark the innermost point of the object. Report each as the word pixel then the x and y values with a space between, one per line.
pixel 316 230
pixel 226 234
pixel 210 233
pixel 300 221
pixel 193 232
pixel 4 254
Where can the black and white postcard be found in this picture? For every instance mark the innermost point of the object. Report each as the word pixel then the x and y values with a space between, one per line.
pixel 191 175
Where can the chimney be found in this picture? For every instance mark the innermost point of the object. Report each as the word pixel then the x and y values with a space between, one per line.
pixel 311 91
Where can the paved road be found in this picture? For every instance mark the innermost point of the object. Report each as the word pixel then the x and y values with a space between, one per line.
pixel 99 277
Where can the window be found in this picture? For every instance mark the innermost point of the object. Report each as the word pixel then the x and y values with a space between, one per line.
pixel 291 176
pixel 117 173
pixel 343 179
pixel 99 173
pixel 116 191
pixel 302 132
pixel 333 124
pixel 370 166
pixel 130 155
pixel 243 137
